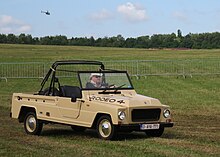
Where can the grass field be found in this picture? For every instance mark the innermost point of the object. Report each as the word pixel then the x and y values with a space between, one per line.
pixel 29 53
pixel 194 101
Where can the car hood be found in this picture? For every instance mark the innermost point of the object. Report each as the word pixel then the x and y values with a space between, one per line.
pixel 131 99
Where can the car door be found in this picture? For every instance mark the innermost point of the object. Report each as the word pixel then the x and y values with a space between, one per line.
pixel 69 109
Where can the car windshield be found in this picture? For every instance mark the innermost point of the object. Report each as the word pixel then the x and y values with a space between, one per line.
pixel 104 80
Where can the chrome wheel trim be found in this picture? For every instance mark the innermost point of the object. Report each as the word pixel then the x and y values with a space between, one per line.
pixel 105 128
pixel 31 123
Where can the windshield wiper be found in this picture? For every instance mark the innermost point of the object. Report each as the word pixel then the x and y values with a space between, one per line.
pixel 110 92
pixel 117 88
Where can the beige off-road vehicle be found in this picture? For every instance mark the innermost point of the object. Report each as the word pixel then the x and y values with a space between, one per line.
pixel 99 99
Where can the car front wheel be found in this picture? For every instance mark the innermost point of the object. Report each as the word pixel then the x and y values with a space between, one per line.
pixel 32 125
pixel 105 129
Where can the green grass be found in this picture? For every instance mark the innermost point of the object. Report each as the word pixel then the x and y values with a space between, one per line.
pixel 25 53
pixel 194 101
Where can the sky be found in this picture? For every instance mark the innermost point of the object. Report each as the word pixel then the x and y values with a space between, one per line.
pixel 102 18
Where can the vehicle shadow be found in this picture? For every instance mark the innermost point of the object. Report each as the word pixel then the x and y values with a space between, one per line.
pixel 89 133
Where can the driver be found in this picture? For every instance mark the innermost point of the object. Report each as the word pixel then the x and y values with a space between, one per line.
pixel 95 81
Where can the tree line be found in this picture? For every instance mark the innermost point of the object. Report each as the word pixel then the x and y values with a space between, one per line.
pixel 191 41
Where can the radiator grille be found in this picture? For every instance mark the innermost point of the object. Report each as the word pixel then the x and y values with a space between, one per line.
pixel 139 115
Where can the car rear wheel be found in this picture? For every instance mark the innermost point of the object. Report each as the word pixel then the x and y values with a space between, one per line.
pixel 105 129
pixel 155 133
pixel 32 125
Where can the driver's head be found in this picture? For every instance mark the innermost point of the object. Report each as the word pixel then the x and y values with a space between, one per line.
pixel 96 77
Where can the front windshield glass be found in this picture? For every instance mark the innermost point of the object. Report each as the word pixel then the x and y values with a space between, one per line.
pixel 105 80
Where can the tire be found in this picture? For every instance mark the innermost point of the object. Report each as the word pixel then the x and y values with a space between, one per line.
pixel 105 129
pixel 155 133
pixel 32 125
pixel 78 128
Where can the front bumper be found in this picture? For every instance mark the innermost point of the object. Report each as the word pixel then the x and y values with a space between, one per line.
pixel 136 127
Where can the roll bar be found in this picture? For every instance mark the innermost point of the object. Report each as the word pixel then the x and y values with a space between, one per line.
pixel 66 62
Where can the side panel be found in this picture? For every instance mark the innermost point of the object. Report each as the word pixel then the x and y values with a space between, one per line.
pixel 16 105
pixel 62 110
pixel 90 109
pixel 42 104
pixel 69 109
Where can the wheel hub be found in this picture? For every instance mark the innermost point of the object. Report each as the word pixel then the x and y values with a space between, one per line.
pixel 31 123
pixel 105 128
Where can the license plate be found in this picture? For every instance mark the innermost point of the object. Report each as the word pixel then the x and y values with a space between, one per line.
pixel 149 126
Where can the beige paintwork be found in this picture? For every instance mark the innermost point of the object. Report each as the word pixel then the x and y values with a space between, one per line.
pixel 83 111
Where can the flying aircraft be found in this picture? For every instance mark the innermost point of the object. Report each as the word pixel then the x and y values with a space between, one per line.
pixel 46 12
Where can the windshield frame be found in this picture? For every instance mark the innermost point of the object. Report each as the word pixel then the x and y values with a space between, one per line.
pixel 103 71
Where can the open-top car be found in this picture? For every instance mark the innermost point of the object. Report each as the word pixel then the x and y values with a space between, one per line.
pixel 100 99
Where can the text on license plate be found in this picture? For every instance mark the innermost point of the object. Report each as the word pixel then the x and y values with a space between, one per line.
pixel 149 126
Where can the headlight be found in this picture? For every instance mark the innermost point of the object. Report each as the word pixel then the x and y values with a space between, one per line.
pixel 121 115
pixel 166 113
